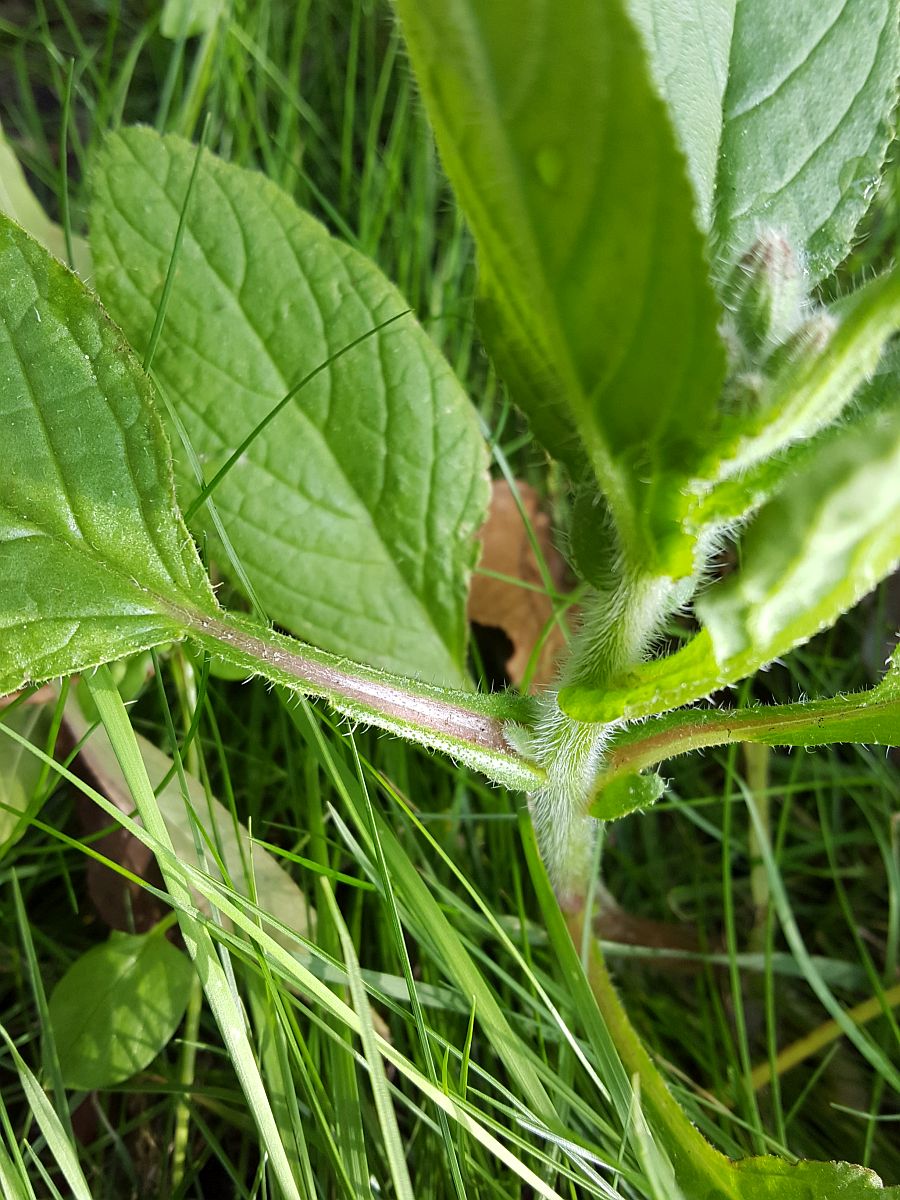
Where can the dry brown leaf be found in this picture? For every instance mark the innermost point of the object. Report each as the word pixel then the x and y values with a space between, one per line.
pixel 520 612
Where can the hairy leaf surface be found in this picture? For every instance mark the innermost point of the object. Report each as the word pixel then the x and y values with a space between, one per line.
pixel 95 561
pixel 354 512
pixel 807 120
pixel 597 306
pixel 814 550
pixel 771 1178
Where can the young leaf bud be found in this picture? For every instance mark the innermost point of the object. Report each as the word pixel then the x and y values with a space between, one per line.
pixel 764 293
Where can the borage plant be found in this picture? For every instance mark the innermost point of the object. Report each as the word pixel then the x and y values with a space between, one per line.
pixel 659 201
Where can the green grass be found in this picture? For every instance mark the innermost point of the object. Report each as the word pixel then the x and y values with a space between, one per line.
pixel 424 1039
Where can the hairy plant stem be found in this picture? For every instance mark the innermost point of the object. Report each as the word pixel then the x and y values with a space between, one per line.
pixel 466 725
pixel 618 629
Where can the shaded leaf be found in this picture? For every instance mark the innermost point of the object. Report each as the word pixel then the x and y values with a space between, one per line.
pixel 117 1007
pixel 354 512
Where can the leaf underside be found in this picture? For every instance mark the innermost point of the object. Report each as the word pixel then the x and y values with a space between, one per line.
pixel 596 302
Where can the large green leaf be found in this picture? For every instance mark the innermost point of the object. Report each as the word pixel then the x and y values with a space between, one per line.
pixel 354 512
pixel 116 1007
pixel 597 306
pixel 689 43
pixel 811 91
pixel 813 550
pixel 95 561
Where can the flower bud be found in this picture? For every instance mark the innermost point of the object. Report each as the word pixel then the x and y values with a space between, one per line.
pixel 764 293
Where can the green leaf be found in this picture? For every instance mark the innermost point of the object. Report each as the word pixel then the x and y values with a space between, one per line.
pixel 354 512
pixel 94 558
pixel 796 421
pixel 597 307
pixel 813 551
pixel 18 201
pixel 625 793
pixel 808 107
pixel 117 1007
pixel 47 1121
pixel 770 1178
pixel 689 47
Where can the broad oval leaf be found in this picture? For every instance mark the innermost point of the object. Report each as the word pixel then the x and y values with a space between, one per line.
pixel 597 307
pixel 354 512
pixel 94 558
pixel 811 91
pixel 116 1007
